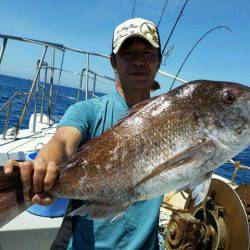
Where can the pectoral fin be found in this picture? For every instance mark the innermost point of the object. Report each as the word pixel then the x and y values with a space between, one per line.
pixel 200 188
pixel 189 155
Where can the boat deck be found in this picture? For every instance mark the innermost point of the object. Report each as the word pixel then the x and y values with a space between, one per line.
pixel 26 141
pixel 29 232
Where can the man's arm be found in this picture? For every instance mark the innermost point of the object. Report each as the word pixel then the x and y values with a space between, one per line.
pixel 43 171
pixel 62 145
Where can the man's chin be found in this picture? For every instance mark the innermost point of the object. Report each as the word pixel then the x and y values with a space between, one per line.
pixel 139 84
pixel 138 77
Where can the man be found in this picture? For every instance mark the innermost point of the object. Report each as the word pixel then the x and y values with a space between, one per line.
pixel 135 58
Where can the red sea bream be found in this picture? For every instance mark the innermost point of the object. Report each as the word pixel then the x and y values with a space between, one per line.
pixel 167 143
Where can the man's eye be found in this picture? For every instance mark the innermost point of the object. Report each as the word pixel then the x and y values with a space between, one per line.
pixel 127 52
pixel 148 52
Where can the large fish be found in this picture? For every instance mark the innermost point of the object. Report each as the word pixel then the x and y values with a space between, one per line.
pixel 170 142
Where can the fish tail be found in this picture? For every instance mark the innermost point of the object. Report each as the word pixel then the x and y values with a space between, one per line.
pixel 12 201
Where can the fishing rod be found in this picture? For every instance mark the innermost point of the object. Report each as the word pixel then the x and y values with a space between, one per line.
pixel 167 55
pixel 174 26
pixel 159 22
pixel 133 12
pixel 211 30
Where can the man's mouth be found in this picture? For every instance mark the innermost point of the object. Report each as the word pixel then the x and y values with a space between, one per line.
pixel 138 73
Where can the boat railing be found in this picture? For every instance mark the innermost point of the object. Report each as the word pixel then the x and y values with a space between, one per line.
pixel 8 106
pixel 42 65
pixel 165 74
pixel 92 75
pixel 42 90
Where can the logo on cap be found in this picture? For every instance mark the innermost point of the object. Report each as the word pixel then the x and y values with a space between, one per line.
pixel 149 31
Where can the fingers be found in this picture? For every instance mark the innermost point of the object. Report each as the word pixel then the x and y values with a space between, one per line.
pixel 42 199
pixel 36 175
pixel 44 175
pixel 40 169
pixel 43 179
pixel 8 168
pixel 51 175
pixel 26 170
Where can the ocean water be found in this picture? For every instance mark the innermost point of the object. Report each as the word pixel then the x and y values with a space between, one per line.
pixel 9 85
pixel 63 96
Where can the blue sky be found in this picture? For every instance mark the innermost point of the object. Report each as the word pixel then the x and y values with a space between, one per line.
pixel 88 25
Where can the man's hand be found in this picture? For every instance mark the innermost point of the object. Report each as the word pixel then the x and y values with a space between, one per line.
pixel 37 176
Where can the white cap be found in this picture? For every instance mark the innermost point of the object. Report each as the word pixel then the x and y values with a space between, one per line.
pixel 136 27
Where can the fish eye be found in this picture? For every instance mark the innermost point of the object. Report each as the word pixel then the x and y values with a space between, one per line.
pixel 228 97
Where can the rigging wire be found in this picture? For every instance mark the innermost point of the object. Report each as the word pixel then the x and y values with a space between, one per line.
pixel 211 30
pixel 163 10
pixel 174 26
pixel 133 12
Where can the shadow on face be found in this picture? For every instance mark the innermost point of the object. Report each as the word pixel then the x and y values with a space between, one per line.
pixel 136 63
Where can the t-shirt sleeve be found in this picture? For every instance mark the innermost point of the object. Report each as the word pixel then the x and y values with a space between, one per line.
pixel 79 115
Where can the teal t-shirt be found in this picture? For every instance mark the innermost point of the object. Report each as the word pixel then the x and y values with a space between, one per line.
pixel 138 227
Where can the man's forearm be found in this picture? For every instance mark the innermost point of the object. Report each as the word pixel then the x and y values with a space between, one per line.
pixel 61 146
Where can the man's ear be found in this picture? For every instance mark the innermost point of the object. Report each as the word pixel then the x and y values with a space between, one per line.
pixel 160 60
pixel 113 61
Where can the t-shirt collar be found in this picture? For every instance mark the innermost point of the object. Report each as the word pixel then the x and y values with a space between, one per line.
pixel 121 99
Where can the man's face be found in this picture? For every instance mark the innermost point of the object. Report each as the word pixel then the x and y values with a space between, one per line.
pixel 137 63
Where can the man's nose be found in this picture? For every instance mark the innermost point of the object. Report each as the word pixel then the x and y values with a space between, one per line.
pixel 138 60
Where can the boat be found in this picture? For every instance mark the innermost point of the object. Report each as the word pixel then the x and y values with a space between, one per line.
pixel 20 143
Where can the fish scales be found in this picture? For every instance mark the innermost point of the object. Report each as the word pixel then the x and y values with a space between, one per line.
pixel 140 156
pixel 107 169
